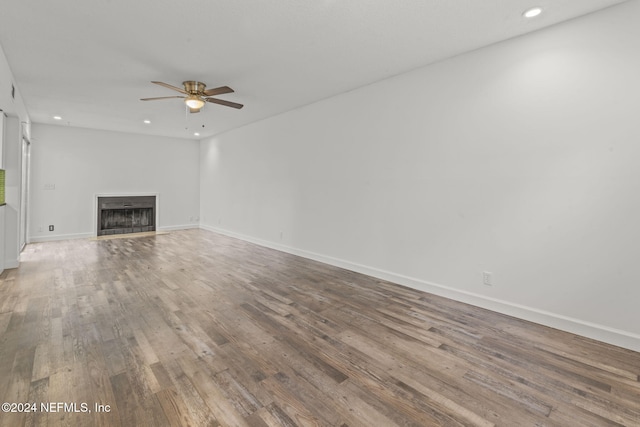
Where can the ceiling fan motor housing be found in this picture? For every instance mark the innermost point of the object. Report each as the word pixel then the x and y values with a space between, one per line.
pixel 194 87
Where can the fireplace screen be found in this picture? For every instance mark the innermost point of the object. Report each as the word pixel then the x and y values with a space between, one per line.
pixel 130 214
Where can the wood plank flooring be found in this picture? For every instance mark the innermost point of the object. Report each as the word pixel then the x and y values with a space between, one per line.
pixel 193 328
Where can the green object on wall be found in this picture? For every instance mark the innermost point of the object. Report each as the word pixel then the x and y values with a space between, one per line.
pixel 1 186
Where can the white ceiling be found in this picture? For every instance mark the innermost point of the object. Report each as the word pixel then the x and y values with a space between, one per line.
pixel 91 61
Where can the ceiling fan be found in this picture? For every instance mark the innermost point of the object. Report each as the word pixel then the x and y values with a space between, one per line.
pixel 196 95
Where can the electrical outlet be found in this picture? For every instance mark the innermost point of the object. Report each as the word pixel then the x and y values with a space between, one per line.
pixel 51 228
pixel 487 278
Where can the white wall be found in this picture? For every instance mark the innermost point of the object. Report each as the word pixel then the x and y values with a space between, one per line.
pixel 12 107
pixel 13 184
pixel 520 159
pixel 16 125
pixel 81 163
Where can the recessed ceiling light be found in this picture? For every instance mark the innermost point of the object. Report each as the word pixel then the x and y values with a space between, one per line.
pixel 533 12
pixel 196 134
pixel 147 121
pixel 57 118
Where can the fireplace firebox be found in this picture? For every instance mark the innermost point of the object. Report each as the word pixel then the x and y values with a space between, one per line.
pixel 126 214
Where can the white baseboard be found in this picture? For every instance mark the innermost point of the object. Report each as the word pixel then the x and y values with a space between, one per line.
pixel 178 227
pixel 55 237
pixel 11 263
pixel 584 328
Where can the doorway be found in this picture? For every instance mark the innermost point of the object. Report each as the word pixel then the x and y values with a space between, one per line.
pixel 24 190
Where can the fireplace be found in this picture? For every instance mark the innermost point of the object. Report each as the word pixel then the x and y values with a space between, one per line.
pixel 126 214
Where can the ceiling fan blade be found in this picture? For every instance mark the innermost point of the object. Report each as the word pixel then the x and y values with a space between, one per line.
pixel 217 91
pixel 171 87
pixel 161 97
pixel 225 103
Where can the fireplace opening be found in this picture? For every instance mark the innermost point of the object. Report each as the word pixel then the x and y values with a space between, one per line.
pixel 126 214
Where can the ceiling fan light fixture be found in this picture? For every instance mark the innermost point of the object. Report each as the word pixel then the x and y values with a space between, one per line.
pixel 194 102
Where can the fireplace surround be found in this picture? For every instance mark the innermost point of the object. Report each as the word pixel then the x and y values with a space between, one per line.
pixel 126 214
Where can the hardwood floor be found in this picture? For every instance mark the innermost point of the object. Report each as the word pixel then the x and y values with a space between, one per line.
pixel 193 328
